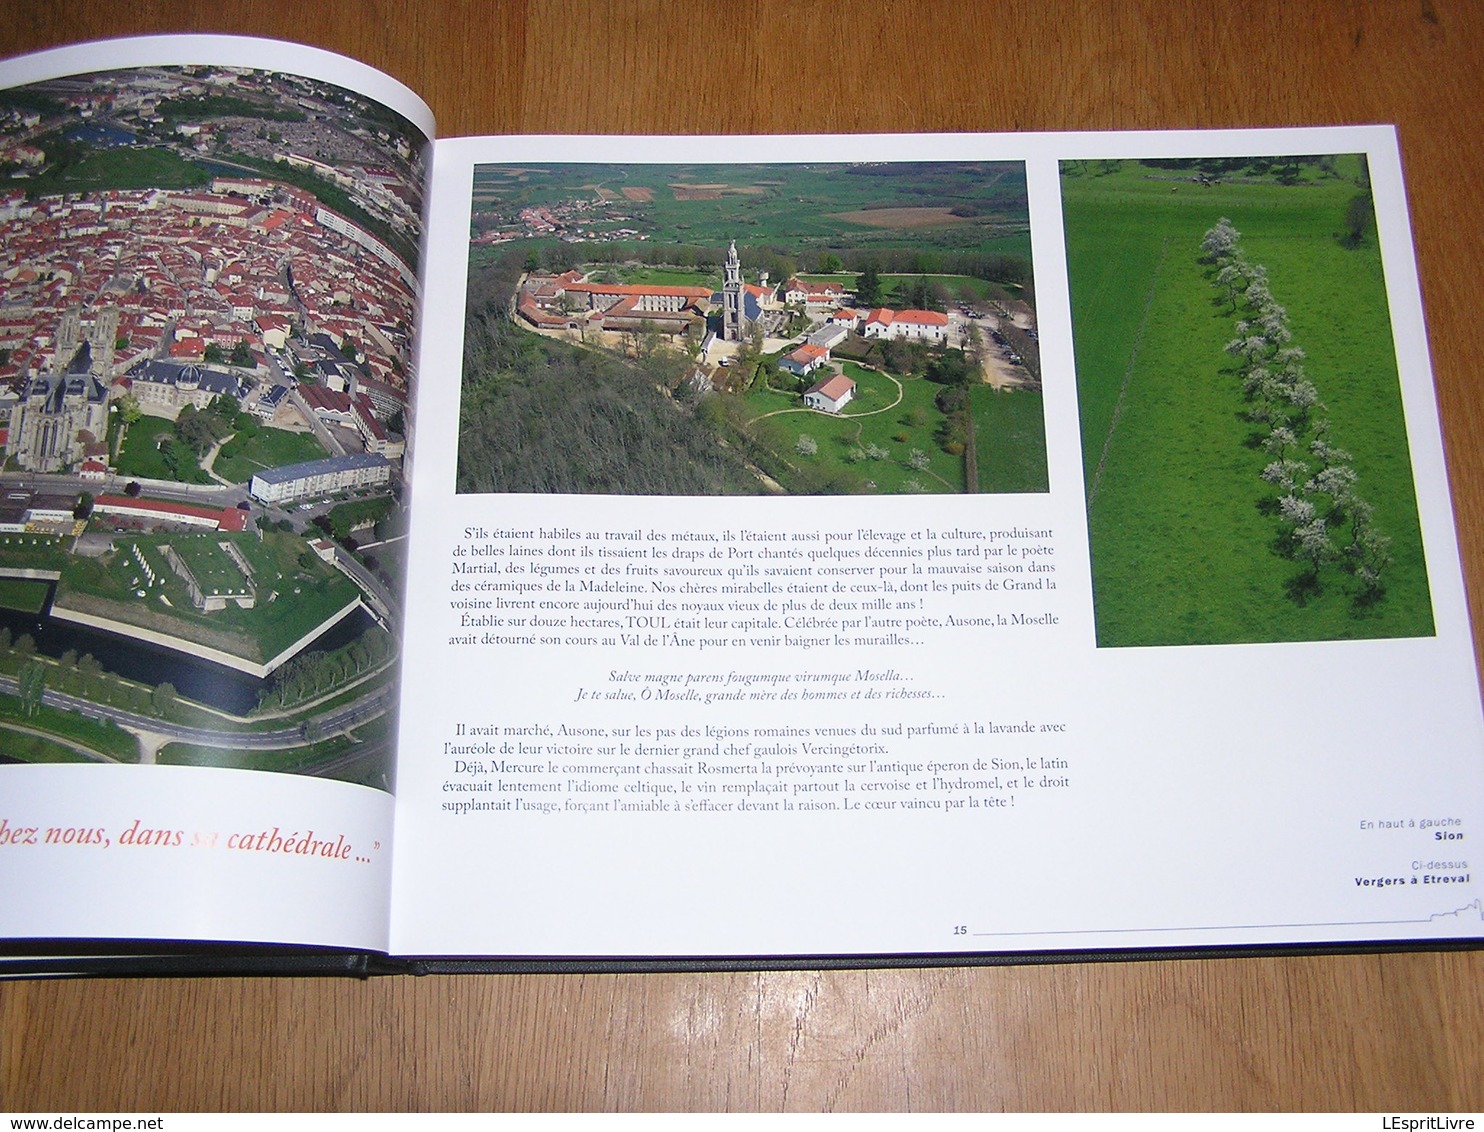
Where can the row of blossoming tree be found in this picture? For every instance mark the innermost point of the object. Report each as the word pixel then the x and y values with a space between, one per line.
pixel 1326 525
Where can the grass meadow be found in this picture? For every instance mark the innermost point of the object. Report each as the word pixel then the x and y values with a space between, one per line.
pixel 800 204
pixel 20 594
pixel 250 452
pixel 959 287
pixel 895 415
pixel 1010 440
pixel 1182 552
pixel 296 592
pixel 151 450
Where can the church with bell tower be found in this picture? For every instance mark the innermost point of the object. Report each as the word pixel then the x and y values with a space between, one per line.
pixel 733 320
pixel 62 413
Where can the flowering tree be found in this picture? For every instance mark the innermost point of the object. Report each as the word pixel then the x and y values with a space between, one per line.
pixel 1316 502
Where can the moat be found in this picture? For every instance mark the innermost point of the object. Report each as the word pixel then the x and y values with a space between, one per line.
pixel 193 677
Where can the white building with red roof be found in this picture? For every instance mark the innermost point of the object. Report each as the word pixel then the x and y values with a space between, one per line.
pixel 645 297
pixel 798 290
pixel 373 433
pixel 330 405
pixel 805 360
pixel 275 329
pixel 930 326
pixel 165 511
pixel 831 394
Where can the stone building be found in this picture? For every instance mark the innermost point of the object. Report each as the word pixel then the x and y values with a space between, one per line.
pixel 60 416
pixel 733 319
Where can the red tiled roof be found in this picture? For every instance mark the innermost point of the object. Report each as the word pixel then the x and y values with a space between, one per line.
pixel 923 318
pixel 227 519
pixel 640 289
pixel 834 387
pixel 368 417
pixel 320 397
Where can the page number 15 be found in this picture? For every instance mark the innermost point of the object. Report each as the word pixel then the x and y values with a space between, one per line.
pixel 960 929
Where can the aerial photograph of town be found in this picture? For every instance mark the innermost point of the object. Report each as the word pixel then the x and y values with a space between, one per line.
pixel 786 329
pixel 1244 448
pixel 207 290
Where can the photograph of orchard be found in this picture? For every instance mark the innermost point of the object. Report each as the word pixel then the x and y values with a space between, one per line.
pixel 1244 449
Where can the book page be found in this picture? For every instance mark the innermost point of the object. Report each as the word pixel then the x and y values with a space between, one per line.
pixel 209 254
pixel 930 545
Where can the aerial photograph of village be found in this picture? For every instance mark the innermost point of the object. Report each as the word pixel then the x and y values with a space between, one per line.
pixel 1244 448
pixel 207 289
pixel 787 329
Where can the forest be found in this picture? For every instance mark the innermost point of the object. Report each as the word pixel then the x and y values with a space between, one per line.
pixel 542 416
pixel 1008 271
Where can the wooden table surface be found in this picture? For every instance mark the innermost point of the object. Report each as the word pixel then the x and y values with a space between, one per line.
pixel 1389 1032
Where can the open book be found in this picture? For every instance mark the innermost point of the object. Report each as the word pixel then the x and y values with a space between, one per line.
pixel 572 552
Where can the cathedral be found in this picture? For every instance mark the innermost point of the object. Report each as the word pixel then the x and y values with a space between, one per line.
pixel 62 412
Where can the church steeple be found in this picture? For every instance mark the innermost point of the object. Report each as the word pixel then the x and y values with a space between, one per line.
pixel 733 321
pixel 69 338
pixel 105 340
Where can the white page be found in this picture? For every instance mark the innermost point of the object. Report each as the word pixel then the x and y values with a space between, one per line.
pixel 1196 795
pixel 193 852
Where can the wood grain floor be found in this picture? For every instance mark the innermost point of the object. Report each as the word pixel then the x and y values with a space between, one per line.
pixel 1383 1032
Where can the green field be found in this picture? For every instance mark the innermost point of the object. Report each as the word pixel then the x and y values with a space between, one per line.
pixel 809 206
pixel 27 747
pixel 86 170
pixel 889 416
pixel 1182 549
pixel 68 731
pixel 152 450
pixel 375 772
pixel 295 592
pixel 252 450
pixel 959 288
pixel 34 552
pixel 667 276
pixel 19 593
pixel 869 446
pixel 1010 440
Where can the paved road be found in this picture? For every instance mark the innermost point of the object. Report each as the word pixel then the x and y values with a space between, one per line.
pixel 357 712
